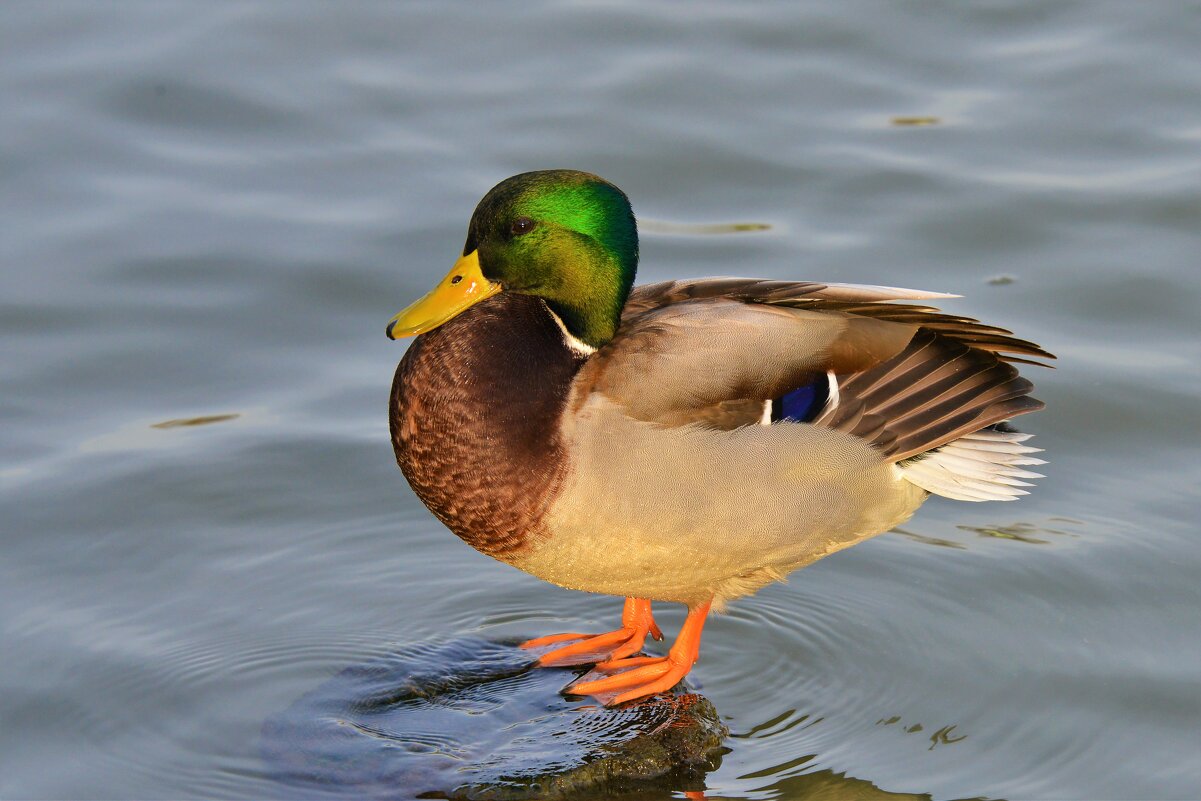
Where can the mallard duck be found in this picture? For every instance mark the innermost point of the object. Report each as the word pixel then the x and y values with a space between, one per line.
pixel 688 441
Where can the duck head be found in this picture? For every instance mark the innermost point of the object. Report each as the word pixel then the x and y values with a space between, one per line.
pixel 564 236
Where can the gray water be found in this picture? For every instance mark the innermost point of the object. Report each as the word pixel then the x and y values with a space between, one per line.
pixel 210 212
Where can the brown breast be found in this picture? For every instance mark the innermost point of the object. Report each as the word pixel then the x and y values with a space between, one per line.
pixel 474 418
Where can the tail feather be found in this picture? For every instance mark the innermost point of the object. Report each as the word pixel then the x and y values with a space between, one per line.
pixel 985 465
pixel 938 411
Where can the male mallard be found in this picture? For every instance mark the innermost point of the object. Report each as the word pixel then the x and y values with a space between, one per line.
pixel 687 441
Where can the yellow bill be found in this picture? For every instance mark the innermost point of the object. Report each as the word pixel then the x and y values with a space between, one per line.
pixel 463 287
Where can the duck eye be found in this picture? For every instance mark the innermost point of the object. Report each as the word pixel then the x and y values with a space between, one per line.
pixel 522 225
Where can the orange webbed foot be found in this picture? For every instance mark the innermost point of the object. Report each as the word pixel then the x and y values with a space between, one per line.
pixel 638 677
pixel 636 622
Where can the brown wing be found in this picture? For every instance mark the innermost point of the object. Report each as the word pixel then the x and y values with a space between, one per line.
pixel 653 296
pixel 956 376
pixel 713 351
pixel 716 360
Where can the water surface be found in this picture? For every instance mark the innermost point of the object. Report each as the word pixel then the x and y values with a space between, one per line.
pixel 210 212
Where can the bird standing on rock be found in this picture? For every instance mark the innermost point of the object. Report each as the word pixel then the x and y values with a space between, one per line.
pixel 687 441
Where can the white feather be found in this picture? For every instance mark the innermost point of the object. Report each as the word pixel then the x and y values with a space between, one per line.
pixel 985 465
pixel 765 418
pixel 574 344
pixel 832 397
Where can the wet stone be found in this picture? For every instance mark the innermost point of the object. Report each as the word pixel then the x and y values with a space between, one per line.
pixel 471 719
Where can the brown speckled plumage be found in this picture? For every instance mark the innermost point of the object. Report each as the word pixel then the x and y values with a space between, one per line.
pixel 474 420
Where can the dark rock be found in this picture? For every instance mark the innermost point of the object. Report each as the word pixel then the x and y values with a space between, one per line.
pixel 471 719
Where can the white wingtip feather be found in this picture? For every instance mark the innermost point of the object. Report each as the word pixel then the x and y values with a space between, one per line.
pixel 985 465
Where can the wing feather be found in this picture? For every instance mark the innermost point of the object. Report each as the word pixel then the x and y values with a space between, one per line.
pixel 909 378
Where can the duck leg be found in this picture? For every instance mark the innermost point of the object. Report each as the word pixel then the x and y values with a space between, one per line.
pixel 636 622
pixel 641 676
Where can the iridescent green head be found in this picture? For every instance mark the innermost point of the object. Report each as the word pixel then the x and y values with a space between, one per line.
pixel 567 237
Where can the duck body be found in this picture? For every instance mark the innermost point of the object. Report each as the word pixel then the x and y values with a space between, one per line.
pixel 765 508
pixel 689 441
pixel 504 437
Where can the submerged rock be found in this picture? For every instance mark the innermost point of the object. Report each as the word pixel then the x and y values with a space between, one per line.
pixel 470 719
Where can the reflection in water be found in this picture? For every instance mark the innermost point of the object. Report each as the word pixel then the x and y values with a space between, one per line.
pixel 469 718
pixel 777 725
pixel 798 779
pixel 195 421
pixel 830 786
pixel 663 227
pixel 943 736
pixel 922 538
pixel 148 434
pixel 1020 532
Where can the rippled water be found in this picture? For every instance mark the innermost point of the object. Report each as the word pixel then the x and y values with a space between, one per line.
pixel 211 211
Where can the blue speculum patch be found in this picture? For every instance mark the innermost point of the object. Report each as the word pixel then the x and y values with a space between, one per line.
pixel 802 404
